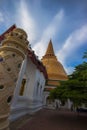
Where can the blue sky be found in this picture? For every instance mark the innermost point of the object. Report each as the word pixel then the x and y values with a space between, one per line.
pixel 63 21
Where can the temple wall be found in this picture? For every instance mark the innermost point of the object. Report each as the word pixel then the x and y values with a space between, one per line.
pixel 30 74
pixel 22 78
pixel 32 98
pixel 40 84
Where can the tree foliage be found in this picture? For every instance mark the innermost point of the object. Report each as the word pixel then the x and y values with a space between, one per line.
pixel 75 88
pixel 85 54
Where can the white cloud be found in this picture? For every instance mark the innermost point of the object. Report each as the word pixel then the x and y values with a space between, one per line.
pixel 49 32
pixel 69 69
pixel 26 21
pixel 1 17
pixel 72 43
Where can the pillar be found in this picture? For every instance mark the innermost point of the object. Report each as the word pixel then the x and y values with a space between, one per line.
pixel 12 53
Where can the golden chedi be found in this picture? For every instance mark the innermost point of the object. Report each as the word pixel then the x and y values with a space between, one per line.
pixel 54 68
pixel 12 53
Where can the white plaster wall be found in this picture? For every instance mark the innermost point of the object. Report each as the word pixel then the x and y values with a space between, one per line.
pixel 38 95
pixel 30 101
pixel 30 79
pixel 33 75
pixel 19 81
pixel 46 94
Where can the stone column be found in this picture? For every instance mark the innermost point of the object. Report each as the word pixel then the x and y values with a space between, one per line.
pixel 12 53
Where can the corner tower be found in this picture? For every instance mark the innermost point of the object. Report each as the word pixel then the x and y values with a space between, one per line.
pixel 54 68
pixel 12 53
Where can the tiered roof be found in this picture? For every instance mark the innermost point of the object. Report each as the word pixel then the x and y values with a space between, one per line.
pixel 2 36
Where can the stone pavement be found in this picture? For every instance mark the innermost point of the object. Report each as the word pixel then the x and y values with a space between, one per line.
pixel 47 119
pixel 15 125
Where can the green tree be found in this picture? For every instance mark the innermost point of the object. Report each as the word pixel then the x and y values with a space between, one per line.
pixel 75 88
pixel 85 54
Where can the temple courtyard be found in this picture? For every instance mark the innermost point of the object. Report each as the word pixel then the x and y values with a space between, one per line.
pixel 48 119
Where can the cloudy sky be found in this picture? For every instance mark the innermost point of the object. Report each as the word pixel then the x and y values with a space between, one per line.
pixel 63 21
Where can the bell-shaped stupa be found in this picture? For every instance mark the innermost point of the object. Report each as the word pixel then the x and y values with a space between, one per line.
pixel 54 68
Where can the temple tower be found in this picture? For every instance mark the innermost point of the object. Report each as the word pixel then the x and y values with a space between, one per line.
pixel 12 52
pixel 54 68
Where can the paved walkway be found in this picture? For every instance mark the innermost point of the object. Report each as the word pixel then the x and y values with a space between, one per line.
pixel 54 120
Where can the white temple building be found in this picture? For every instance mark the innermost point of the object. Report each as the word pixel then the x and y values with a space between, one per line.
pixel 28 94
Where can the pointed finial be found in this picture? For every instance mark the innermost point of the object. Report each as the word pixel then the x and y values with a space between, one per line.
pixel 50 50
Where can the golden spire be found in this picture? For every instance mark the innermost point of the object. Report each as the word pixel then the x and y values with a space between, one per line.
pixel 54 68
pixel 50 50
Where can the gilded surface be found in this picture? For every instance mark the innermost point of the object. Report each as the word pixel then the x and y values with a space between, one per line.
pixel 54 68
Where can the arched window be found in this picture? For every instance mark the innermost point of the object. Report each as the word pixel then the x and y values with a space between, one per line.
pixel 22 87
pixel 37 87
pixel 41 90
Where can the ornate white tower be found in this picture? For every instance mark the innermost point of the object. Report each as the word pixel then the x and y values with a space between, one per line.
pixel 12 53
